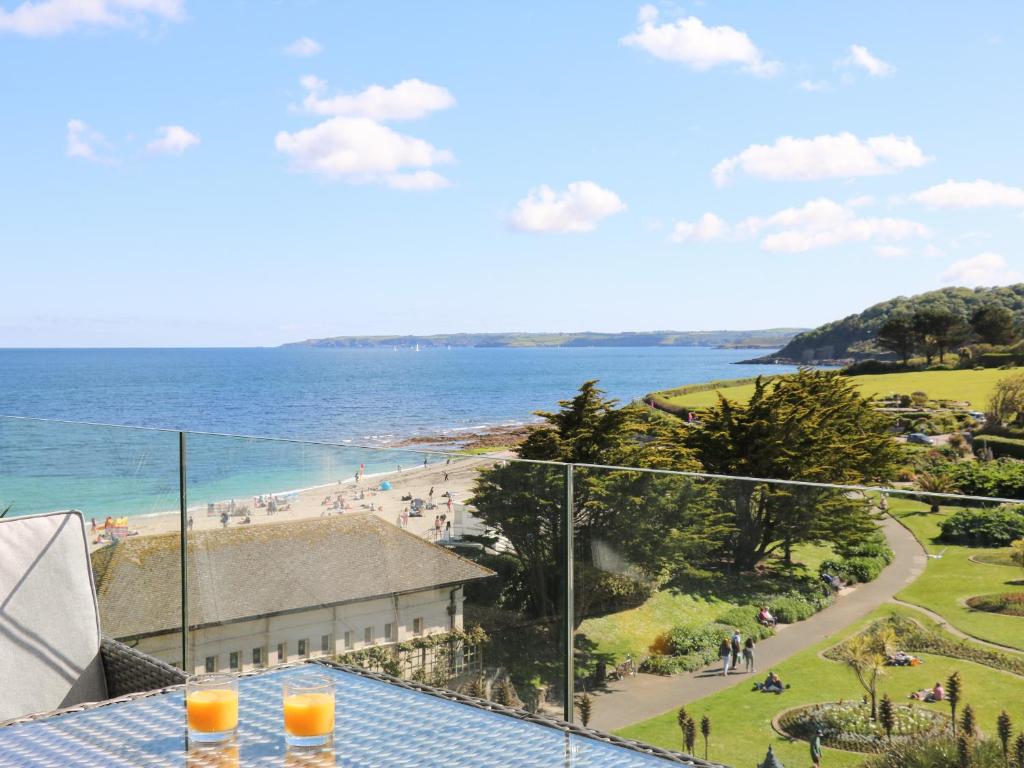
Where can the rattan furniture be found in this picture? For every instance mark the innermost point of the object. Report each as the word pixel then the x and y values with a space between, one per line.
pixel 381 722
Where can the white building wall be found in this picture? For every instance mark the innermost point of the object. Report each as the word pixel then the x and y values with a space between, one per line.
pixel 431 606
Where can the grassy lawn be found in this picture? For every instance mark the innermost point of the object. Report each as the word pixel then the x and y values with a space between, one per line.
pixel 973 386
pixel 949 580
pixel 636 631
pixel 741 718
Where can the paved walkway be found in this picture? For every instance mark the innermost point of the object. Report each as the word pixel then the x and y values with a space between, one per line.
pixel 644 696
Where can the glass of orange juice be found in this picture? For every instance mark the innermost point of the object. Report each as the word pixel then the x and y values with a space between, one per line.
pixel 211 702
pixel 308 710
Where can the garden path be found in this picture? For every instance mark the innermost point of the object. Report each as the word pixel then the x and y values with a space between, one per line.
pixel 628 701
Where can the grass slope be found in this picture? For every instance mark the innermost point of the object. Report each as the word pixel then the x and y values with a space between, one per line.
pixel 951 579
pixel 741 718
pixel 972 386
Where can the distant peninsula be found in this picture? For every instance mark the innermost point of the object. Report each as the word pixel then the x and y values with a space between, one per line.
pixel 769 338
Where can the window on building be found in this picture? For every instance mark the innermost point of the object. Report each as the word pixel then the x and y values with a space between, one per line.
pixel 389 631
pixel 303 648
pixel 233 660
pixel 257 657
pixel 348 641
pixel 417 627
pixel 368 635
pixel 325 643
pixel 282 653
pixel 211 664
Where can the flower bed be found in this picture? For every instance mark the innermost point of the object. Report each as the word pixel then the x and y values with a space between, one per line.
pixel 1006 603
pixel 848 725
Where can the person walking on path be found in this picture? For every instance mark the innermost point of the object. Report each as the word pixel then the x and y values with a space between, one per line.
pixel 816 749
pixel 737 644
pixel 725 654
pixel 748 654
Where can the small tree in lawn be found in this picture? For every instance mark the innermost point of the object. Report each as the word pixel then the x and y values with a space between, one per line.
pixel 953 695
pixel 887 715
pixel 967 724
pixel 1018 552
pixel 1005 730
pixel 681 719
pixel 866 655
pixel 1018 751
pixel 585 704
pixel 691 735
pixel 705 731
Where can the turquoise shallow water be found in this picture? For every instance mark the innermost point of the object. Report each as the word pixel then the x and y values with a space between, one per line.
pixel 345 396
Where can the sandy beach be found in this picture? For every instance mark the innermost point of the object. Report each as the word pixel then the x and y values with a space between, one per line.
pixel 347 496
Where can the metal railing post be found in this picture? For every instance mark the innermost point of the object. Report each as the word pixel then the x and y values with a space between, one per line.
pixel 569 668
pixel 183 502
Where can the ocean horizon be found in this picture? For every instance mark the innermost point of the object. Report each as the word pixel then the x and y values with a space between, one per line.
pixel 346 397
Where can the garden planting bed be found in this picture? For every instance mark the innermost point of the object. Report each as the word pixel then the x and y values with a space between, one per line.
pixel 848 725
pixel 1004 603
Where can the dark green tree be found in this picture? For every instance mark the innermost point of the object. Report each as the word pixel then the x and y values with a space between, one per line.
pixel 691 735
pixel 939 330
pixel 898 334
pixel 963 752
pixel 477 688
pixel 1018 751
pixel 887 715
pixel 1004 728
pixel 682 718
pixel 705 731
pixel 968 726
pixel 584 706
pixel 654 520
pixel 504 694
pixel 812 426
pixel 993 324
pixel 953 693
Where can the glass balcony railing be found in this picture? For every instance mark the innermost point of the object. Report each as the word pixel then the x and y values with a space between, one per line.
pixel 530 583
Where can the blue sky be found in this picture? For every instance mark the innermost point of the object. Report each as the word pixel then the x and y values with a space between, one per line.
pixel 178 172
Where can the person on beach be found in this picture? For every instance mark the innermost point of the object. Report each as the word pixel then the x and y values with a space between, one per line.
pixel 424 462
pixel 735 646
pixel 449 505
pixel 725 654
pixel 446 474
pixel 437 526
pixel 191 522
pixel 448 530
pixel 748 654
pixel 430 493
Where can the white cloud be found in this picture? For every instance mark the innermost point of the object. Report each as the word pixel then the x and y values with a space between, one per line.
pixel 303 47
pixel 689 41
pixel 708 227
pixel 891 251
pixel 971 194
pixel 47 18
pixel 823 222
pixel 359 150
pixel 84 142
pixel 863 58
pixel 408 100
pixel 578 209
pixel 983 269
pixel 814 85
pixel 861 202
pixel 172 140
pixel 842 155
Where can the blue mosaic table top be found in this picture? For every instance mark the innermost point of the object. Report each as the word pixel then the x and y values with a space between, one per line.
pixel 377 724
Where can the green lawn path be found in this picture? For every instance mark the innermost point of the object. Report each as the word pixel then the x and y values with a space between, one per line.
pixel 741 719
pixel 972 386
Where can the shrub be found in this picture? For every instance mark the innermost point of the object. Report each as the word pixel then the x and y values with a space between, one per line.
pixel 688 639
pixel 919 398
pixel 744 618
pixel 984 527
pixel 613 591
pixel 855 569
pixel 1002 477
pixel 788 610
pixel 674 665
pixel 878 549
pixel 938 752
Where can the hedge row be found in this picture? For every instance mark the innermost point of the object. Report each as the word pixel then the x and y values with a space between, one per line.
pixel 1000 446
pixel 984 527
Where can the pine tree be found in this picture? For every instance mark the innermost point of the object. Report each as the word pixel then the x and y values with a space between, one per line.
pixel 887 715
pixel 967 723
pixel 691 735
pixel 584 705
pixel 705 731
pixel 1004 727
pixel 953 695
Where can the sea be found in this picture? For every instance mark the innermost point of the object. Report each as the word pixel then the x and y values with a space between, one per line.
pixel 360 403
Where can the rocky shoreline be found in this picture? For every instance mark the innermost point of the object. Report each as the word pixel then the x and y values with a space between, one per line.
pixel 502 437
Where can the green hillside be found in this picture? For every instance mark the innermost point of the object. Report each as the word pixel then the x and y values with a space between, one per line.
pixel 968 385
pixel 853 336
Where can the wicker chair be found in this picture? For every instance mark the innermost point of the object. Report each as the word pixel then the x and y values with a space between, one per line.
pixel 52 656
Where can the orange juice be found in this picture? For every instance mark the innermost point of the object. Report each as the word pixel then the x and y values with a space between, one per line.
pixel 309 714
pixel 212 710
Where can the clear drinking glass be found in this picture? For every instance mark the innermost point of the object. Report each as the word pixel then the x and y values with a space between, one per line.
pixel 308 702
pixel 211 702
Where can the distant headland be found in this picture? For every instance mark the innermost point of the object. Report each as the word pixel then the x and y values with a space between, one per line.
pixel 768 338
